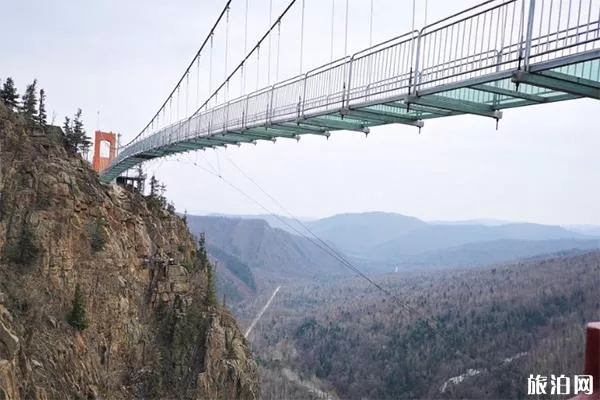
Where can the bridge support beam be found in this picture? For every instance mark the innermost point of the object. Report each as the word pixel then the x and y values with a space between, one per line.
pixel 249 138
pixel 511 93
pixel 558 82
pixel 290 127
pixel 253 134
pixel 207 143
pixel 383 117
pixel 229 140
pixel 460 106
pixel 183 146
pixel 273 132
pixel 570 78
pixel 433 112
pixel 332 124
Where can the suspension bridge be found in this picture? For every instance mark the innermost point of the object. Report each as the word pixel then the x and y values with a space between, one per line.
pixel 496 55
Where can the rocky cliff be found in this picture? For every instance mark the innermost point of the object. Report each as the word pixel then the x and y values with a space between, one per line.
pixel 153 331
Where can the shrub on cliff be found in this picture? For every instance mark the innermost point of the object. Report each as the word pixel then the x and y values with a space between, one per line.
pixel 77 318
pixel 25 251
pixel 98 236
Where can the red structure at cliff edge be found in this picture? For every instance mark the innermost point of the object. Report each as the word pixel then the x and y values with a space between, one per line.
pixel 100 161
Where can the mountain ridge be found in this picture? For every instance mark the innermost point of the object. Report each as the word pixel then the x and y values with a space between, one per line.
pixel 268 255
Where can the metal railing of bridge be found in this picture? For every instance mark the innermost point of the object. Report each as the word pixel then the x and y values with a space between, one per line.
pixel 483 44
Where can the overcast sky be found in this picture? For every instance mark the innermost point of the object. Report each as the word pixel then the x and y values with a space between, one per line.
pixel 121 58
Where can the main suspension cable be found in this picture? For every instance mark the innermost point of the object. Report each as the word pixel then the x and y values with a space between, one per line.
pixel 248 55
pixel 186 71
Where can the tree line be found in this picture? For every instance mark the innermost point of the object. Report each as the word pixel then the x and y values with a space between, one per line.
pixel 32 105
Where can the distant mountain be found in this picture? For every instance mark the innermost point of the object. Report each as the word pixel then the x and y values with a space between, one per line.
pixel 272 255
pixel 377 240
pixel 494 252
pixel 436 237
pixel 275 221
pixel 591 230
pixel 487 222
pixel 356 234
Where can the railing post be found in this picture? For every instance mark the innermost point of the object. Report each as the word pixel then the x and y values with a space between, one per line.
pixel 302 101
pixel 528 37
pixel 198 121
pixel 270 107
pixel 226 119
pixel 417 54
pixel 347 96
pixel 245 114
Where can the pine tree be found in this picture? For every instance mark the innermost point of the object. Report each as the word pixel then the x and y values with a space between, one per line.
pixel 78 124
pixel 67 131
pixel 29 100
pixel 81 141
pixel 77 318
pixel 9 95
pixel 201 253
pixel 75 134
pixel 154 186
pixel 68 134
pixel 42 116
pixel 211 290
pixel 141 176
pixel 162 189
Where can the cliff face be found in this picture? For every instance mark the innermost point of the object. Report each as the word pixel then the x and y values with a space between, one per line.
pixel 153 331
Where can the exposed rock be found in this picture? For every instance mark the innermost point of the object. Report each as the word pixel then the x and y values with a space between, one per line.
pixel 9 343
pixel 151 331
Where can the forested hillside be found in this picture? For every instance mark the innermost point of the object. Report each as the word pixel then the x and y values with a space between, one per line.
pixel 272 255
pixel 502 322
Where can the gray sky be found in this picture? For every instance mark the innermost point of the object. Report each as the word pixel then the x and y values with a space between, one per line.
pixel 122 59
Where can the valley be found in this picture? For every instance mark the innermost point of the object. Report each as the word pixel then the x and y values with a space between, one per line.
pixel 501 301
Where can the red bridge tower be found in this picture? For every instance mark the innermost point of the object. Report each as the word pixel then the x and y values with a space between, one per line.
pixel 101 161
